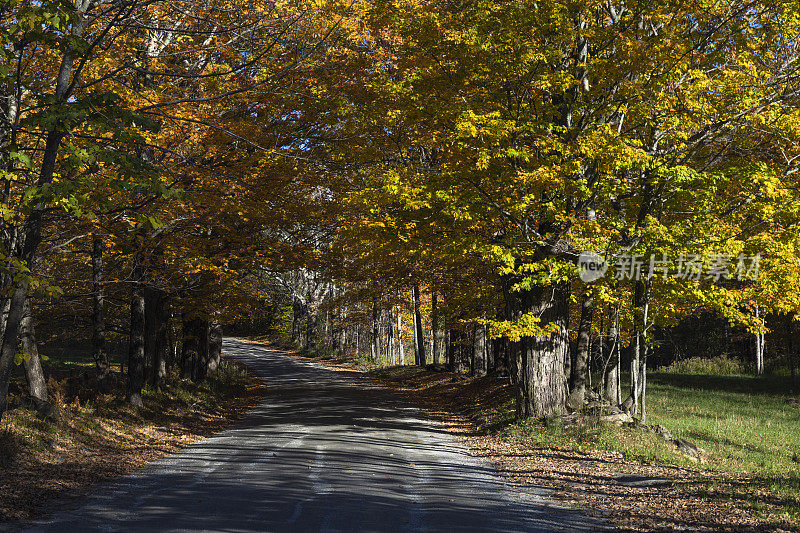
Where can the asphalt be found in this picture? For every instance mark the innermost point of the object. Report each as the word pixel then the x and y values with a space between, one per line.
pixel 320 453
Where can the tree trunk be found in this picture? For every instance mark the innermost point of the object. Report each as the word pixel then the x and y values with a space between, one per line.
pixel 790 351
pixel 201 370
pixel 479 368
pixel 580 366
pixel 389 330
pixel 152 318
pixel 612 365
pixel 539 377
pixel 189 349
pixel 163 353
pixel 641 300
pixel 760 344
pixel 453 355
pixel 297 312
pixel 399 336
pixel 434 329
pixel 99 309
pixel 312 327
pixel 643 351
pixel 33 364
pixel 373 345
pixel 472 353
pixel 214 345
pixel 136 347
pixel 421 359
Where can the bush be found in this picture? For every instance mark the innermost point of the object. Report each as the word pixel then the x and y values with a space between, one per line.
pixel 229 378
pixel 720 365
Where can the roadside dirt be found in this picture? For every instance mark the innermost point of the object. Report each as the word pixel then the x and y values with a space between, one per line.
pixel 57 464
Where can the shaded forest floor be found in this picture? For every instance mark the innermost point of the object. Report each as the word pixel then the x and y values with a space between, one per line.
pixel 100 436
pixel 627 476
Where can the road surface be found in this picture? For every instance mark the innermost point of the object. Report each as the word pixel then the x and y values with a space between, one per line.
pixel 320 453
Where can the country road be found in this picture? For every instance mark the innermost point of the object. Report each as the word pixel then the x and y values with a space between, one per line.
pixel 320 453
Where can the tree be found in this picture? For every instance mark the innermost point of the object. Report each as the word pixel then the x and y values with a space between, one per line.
pixel 527 133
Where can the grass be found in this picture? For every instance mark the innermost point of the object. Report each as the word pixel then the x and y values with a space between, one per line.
pixel 748 425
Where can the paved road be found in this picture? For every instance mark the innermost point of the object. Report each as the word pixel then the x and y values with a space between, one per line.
pixel 320 453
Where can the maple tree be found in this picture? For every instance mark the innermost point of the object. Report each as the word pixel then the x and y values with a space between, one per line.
pixel 523 133
pixel 396 173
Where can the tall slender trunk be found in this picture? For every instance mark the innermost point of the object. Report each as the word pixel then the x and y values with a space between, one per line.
pixel 434 329
pixel 421 359
pixel 156 335
pixel 538 375
pixel 152 317
pixel 479 351
pixel 580 366
pixel 136 342
pixel 641 300
pixel 401 352
pixel 214 345
pixel 99 309
pixel 312 326
pixel 472 353
pixel 643 357
pixel 189 348
pixel 612 364
pixel 389 328
pixel 760 344
pixel 790 350
pixel 373 345
pixel 33 364
pixel 453 355
pixel 296 313
pixel 201 370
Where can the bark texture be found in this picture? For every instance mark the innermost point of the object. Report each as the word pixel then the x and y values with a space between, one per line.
pixel 37 385
pixel 419 341
pixel 580 366
pixel 99 309
pixel 538 362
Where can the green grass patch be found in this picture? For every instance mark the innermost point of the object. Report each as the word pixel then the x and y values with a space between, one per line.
pixel 746 423
pixel 750 426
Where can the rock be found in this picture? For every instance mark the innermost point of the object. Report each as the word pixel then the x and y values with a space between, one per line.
pixel 604 407
pixel 617 419
pixel 574 403
pixel 47 411
pixel 136 401
pixel 690 450
pixel 627 405
pixel 661 431
pixel 44 410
